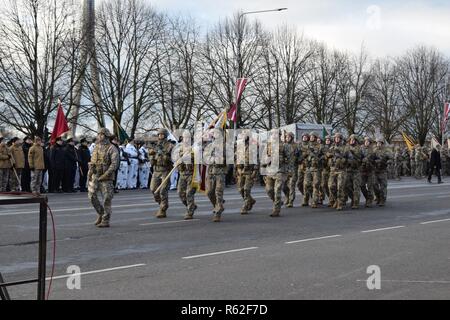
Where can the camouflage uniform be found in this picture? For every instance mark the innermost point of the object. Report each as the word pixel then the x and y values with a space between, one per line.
pixel 186 191
pixel 291 175
pixel 101 174
pixel 337 181
pixel 367 173
pixel 419 159
pixel 276 177
pixel 303 148
pixel 313 163
pixel 398 163
pixel 382 159
pixel 18 157
pixel 246 174
pixel 324 189
pixel 354 172
pixel 5 165
pixel 215 183
pixel 161 160
pixel 405 162
pixel 412 157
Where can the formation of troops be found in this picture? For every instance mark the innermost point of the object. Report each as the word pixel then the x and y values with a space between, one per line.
pixel 335 169
pixel 326 173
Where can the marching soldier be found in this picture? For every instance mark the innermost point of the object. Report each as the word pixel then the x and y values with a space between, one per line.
pixel 419 159
pixel 336 183
pixel 276 175
pixel 367 171
pixel 291 176
pixel 313 162
pixel 405 162
pixel 186 191
pixel 246 173
pixel 5 164
pixel 382 159
pixel 398 160
pixel 413 161
pixel 303 149
pixel 324 190
pixel 215 181
pixel 354 171
pixel 161 161
pixel 101 174
pixel 19 163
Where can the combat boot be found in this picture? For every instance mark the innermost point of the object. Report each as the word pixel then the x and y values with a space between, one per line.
pixel 368 204
pixel 104 224
pixel 275 213
pixel 330 204
pixel 161 214
pixel 252 203
pixel 216 217
pixel 99 220
pixel 314 206
pixel 355 206
pixel 244 211
pixel 289 205
pixel 189 216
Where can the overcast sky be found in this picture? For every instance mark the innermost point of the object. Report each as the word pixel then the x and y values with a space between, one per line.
pixel 387 27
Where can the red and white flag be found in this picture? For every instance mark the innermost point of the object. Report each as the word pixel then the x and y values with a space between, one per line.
pixel 240 87
pixel 445 117
pixel 61 127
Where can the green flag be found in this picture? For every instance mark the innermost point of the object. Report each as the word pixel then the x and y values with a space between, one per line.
pixel 324 133
pixel 123 136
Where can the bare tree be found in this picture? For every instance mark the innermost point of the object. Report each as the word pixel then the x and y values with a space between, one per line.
pixel 37 46
pixel 422 74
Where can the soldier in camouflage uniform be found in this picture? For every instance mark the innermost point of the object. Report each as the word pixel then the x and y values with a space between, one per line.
pixel 405 162
pixel 186 191
pixel 354 171
pixel 419 157
pixel 383 157
pixel 276 175
pixel 303 148
pixel 5 164
pixel 337 181
pixel 324 190
pixel 246 174
pixel 367 171
pixel 412 157
pixel 101 174
pixel 215 181
pixel 291 175
pixel 161 160
pixel 313 162
pixel 398 163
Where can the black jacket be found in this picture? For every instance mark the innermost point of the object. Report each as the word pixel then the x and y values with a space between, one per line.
pixel 26 148
pixel 57 157
pixel 435 159
pixel 71 157
pixel 84 156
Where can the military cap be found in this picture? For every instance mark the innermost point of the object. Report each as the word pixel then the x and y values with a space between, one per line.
pixel 328 137
pixel 105 131
pixel 290 134
pixel 368 139
pixel 313 134
pixel 305 134
pixel 338 134
pixel 353 136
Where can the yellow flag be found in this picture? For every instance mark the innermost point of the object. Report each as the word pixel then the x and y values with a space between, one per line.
pixel 409 142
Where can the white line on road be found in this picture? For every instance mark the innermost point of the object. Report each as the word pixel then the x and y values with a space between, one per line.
pixel 435 221
pixel 311 239
pixel 98 271
pixel 382 229
pixel 166 222
pixel 413 281
pixel 219 252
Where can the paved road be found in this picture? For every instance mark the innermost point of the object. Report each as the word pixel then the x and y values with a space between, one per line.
pixel 305 254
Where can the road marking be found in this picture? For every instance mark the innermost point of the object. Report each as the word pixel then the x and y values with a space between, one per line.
pixel 434 221
pixel 98 271
pixel 312 239
pixel 166 222
pixel 382 229
pixel 413 281
pixel 219 252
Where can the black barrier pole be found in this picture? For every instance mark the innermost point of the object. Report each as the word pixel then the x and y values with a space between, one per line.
pixel 42 248
pixel 4 295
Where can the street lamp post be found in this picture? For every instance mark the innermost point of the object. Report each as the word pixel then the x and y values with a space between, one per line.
pixel 240 70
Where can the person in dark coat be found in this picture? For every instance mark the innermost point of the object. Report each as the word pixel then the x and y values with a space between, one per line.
pixel 435 164
pixel 84 156
pixel 57 159
pixel 26 173
pixel 47 153
pixel 70 166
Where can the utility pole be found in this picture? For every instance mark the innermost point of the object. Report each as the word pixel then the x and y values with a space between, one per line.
pixel 240 65
pixel 88 58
